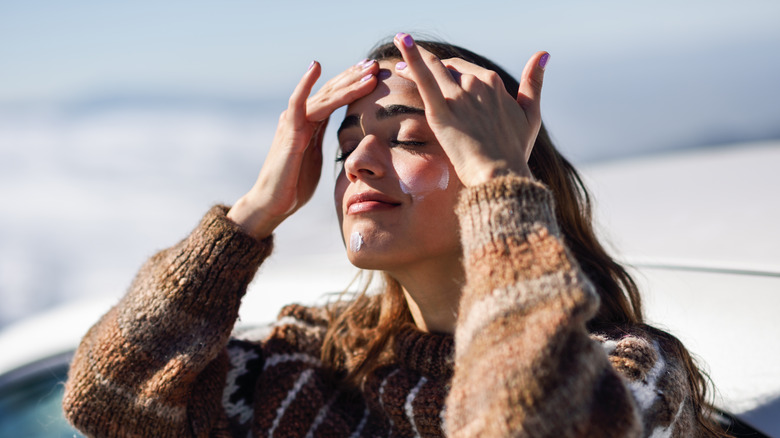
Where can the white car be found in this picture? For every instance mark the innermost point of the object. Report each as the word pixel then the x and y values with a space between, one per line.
pixel 699 229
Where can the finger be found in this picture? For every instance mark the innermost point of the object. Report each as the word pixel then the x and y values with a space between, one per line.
pixel 530 92
pixel 296 108
pixel 459 66
pixel 349 76
pixel 350 85
pixel 426 70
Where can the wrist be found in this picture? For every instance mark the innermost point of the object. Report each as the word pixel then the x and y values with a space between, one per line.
pixel 252 219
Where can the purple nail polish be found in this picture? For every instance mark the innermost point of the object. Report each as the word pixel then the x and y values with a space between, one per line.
pixel 311 65
pixel 401 65
pixel 366 77
pixel 407 40
pixel 543 60
pixel 367 64
pixel 360 64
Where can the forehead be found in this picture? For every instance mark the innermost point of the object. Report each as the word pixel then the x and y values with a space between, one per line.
pixel 390 90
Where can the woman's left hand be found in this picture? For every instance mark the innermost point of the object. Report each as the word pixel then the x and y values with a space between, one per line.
pixel 482 128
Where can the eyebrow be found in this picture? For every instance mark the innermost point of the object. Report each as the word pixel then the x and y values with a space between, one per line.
pixel 397 110
pixel 348 122
pixel 382 113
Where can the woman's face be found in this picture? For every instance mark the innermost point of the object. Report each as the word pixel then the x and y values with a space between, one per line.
pixel 396 193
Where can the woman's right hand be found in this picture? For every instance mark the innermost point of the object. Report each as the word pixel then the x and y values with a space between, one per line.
pixel 293 166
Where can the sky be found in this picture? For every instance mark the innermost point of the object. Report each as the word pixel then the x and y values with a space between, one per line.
pixel 61 50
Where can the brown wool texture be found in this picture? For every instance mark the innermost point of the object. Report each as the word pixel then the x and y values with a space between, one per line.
pixel 164 362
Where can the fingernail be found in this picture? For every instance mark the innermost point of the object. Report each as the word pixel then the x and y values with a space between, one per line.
pixel 366 77
pixel 405 38
pixel 367 64
pixel 543 60
pixel 360 64
pixel 408 40
pixel 401 65
pixel 311 65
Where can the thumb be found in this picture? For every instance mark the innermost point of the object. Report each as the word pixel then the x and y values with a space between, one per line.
pixel 529 94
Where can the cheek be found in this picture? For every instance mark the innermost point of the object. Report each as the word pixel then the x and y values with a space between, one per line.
pixel 419 178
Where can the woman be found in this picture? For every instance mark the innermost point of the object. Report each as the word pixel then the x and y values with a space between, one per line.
pixel 501 316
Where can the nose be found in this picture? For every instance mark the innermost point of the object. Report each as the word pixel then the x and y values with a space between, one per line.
pixel 367 161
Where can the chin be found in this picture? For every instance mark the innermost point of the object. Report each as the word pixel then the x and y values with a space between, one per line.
pixel 364 261
pixel 373 259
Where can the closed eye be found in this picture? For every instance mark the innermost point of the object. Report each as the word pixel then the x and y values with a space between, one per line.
pixel 343 154
pixel 411 146
pixel 407 143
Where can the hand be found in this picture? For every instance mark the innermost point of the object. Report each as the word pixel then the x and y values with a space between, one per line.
pixel 293 166
pixel 484 131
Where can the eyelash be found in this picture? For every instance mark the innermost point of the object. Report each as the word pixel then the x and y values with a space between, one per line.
pixel 342 156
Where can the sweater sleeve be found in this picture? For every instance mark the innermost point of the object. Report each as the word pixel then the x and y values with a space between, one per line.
pixel 158 356
pixel 525 364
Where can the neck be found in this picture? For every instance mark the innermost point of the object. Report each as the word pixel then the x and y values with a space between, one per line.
pixel 433 294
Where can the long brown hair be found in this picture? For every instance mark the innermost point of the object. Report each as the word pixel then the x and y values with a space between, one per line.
pixel 360 334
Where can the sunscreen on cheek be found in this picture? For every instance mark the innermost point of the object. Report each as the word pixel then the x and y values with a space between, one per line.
pixel 444 181
pixel 423 182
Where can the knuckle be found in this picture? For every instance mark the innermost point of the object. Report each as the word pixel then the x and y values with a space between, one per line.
pixel 430 57
pixel 323 100
pixel 352 94
pixel 493 78
pixel 469 81
pixel 536 81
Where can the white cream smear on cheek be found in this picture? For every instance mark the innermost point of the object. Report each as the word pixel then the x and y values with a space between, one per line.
pixel 418 186
pixel 355 241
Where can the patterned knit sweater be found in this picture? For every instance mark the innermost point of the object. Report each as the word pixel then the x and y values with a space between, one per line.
pixel 162 362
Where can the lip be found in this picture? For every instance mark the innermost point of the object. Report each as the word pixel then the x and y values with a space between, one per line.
pixel 370 201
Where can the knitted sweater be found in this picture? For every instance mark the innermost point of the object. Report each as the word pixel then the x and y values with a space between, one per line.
pixel 162 362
